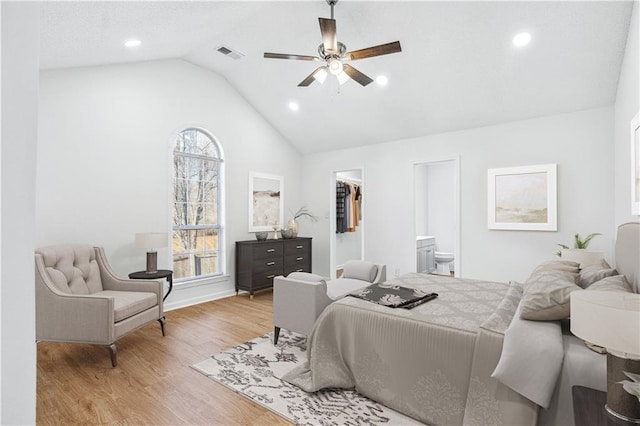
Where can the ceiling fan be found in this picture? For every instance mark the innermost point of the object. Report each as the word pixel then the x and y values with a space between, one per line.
pixel 335 55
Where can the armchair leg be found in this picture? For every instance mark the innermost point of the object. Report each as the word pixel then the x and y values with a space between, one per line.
pixel 162 322
pixel 113 352
pixel 276 334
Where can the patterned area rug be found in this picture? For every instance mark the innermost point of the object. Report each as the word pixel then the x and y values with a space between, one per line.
pixel 253 369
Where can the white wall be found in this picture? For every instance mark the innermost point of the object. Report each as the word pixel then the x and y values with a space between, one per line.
pixel 20 47
pixel 580 143
pixel 103 172
pixel 441 204
pixel 626 107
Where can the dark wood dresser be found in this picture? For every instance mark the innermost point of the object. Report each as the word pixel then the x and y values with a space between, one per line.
pixel 258 262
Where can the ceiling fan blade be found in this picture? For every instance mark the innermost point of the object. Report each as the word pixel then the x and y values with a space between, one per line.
pixel 287 56
pixel 382 49
pixel 357 75
pixel 310 79
pixel 329 38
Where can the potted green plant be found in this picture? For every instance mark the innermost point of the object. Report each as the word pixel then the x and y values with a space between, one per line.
pixel 579 252
pixel 293 223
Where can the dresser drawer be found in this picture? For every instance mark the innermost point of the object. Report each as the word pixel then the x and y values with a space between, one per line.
pixel 267 251
pixel 294 260
pixel 265 277
pixel 297 246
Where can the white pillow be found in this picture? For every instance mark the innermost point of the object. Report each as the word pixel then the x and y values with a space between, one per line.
pixel 360 270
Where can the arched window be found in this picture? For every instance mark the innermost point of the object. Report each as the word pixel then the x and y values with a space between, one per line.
pixel 197 228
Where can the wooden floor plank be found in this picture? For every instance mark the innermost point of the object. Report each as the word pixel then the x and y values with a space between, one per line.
pixel 153 383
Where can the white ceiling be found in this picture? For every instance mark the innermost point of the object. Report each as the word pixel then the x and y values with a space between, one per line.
pixel 457 70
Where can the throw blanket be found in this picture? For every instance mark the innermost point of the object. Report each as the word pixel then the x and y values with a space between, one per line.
pixel 394 296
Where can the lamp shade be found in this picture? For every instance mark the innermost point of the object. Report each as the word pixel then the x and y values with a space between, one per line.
pixel 609 319
pixel 150 240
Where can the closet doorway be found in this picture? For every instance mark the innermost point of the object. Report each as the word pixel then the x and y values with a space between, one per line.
pixel 437 216
pixel 347 230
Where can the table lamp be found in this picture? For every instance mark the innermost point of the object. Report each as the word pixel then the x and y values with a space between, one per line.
pixel 151 241
pixel 612 320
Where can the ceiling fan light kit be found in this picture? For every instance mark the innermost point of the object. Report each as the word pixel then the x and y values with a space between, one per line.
pixel 335 55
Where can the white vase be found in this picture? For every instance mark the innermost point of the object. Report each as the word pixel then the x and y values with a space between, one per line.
pixel 293 225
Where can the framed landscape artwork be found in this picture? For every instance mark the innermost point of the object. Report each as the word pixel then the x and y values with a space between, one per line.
pixel 635 165
pixel 523 198
pixel 266 202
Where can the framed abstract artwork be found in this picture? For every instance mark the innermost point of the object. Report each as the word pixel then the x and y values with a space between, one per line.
pixel 635 165
pixel 523 198
pixel 266 202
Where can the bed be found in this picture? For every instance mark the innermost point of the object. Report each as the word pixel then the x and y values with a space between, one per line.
pixel 435 362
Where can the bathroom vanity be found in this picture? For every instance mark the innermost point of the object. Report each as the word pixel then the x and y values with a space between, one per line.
pixel 426 249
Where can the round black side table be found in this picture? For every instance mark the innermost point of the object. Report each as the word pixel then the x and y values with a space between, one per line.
pixel 160 273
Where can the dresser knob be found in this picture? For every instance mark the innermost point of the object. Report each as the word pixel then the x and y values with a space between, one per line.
pixel 299 258
pixel 299 247
pixel 271 263
pixel 271 250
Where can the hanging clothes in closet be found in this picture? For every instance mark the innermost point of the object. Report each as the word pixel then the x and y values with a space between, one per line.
pixel 348 206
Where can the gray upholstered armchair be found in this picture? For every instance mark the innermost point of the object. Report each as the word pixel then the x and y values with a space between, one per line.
pixel 300 298
pixel 80 300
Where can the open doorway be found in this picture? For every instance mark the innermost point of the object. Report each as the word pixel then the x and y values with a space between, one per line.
pixel 437 217
pixel 347 230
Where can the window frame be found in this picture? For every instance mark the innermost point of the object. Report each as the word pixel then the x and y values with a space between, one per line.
pixel 220 251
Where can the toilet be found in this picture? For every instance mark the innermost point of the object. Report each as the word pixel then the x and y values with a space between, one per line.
pixel 443 259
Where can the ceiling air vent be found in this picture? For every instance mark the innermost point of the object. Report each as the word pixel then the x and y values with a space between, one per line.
pixel 229 52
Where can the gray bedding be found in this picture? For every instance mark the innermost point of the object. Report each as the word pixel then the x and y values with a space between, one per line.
pixel 432 362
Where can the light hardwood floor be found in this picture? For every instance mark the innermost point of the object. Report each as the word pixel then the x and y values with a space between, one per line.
pixel 153 383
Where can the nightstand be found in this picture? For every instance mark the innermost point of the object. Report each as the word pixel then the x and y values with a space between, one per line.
pixel 588 408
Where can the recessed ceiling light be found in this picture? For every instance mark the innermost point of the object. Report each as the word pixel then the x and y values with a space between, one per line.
pixel 132 43
pixel 382 80
pixel 521 39
pixel 293 106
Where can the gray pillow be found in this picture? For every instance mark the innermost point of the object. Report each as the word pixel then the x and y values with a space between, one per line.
pixel 613 283
pixel 593 273
pixel 557 265
pixel 546 295
pixel 360 270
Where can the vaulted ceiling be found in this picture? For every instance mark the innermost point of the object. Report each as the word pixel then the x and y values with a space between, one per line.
pixel 458 67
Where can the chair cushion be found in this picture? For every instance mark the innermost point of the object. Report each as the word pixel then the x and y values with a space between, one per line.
pixel 360 270
pixel 130 303
pixel 72 268
pixel 305 276
pixel 339 288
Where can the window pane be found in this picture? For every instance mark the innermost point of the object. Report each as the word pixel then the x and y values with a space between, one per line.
pixel 180 214
pixel 195 190
pixel 211 239
pixel 181 266
pixel 210 171
pixel 211 213
pixel 180 190
pixel 180 241
pixel 206 264
pixel 210 192
pixel 196 214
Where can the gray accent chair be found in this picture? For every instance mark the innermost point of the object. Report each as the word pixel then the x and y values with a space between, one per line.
pixel 80 300
pixel 300 298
